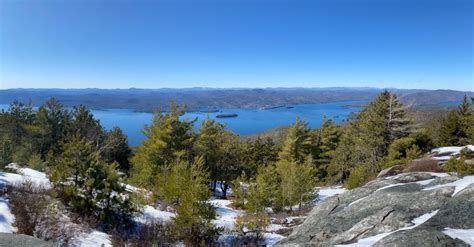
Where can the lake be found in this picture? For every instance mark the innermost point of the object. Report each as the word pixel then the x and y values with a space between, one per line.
pixel 249 121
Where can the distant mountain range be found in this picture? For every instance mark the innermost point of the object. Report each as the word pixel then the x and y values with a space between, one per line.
pixel 197 99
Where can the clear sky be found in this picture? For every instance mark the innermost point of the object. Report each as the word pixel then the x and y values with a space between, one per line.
pixel 236 43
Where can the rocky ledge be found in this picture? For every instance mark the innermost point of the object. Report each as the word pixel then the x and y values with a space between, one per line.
pixel 410 209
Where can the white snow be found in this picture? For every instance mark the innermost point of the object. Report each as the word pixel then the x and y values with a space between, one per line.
pixel 458 184
pixel 272 238
pixel 225 215
pixel 369 241
pixel 465 235
pixel 451 149
pixel 150 213
pixel 92 239
pixel 445 153
pixel 37 177
pixel 326 192
pixel 6 217
pixel 356 201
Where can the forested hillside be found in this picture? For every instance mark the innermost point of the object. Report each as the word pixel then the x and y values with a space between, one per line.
pixel 197 99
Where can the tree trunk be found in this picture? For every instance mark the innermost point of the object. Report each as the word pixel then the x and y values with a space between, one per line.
pixel 224 190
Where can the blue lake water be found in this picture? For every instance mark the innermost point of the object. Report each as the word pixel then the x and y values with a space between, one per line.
pixel 249 121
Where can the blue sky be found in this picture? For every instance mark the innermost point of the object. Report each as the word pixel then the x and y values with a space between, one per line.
pixel 230 43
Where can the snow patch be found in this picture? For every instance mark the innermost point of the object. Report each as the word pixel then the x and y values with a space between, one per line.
pixel 445 153
pixel 272 238
pixel 458 184
pixel 225 215
pixel 326 192
pixel 92 239
pixel 369 241
pixel 6 217
pixel 150 213
pixel 465 235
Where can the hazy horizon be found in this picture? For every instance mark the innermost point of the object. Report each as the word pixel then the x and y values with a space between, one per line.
pixel 234 44
pixel 232 88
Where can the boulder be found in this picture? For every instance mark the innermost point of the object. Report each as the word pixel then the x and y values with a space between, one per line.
pixel 14 240
pixel 409 209
pixel 391 171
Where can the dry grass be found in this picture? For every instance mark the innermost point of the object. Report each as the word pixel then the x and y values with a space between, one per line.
pixel 423 165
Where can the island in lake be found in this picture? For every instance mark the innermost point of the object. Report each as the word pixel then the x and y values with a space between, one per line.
pixel 226 115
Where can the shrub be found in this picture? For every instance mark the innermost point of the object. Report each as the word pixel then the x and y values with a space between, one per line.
pixel 36 162
pixel 21 156
pixel 150 233
pixel 28 203
pixel 459 166
pixel 357 177
pixel 252 224
pixel 423 165
pixel 38 215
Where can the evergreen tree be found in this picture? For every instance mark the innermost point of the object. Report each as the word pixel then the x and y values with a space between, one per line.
pixel 258 153
pixel 450 130
pixel 221 151
pixel 263 190
pixel 92 187
pixel 185 185
pixel 85 125
pixel 298 143
pixel 377 126
pixel 52 120
pixel 345 156
pixel 296 182
pixel 116 149
pixel 328 136
pixel 167 138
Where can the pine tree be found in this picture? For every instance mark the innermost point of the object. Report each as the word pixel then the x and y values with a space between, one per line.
pixel 52 119
pixel 328 136
pixel 85 125
pixel 167 138
pixel 221 151
pixel 450 130
pixel 116 149
pixel 345 156
pixel 297 143
pixel 258 153
pixel 185 185
pixel 91 186
pixel 263 190
pixel 296 181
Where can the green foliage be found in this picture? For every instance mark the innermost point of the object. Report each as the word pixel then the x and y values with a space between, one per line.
pixel 258 153
pixel 264 190
pixel 359 175
pixel 52 121
pixel 296 182
pixel 21 155
pixel 36 162
pixel 185 185
pixel 297 143
pixel 328 136
pixel 220 149
pixel 85 182
pixel 457 128
pixel 240 191
pixel 116 149
pixel 6 153
pixel 253 223
pixel 167 138
pixel 460 165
